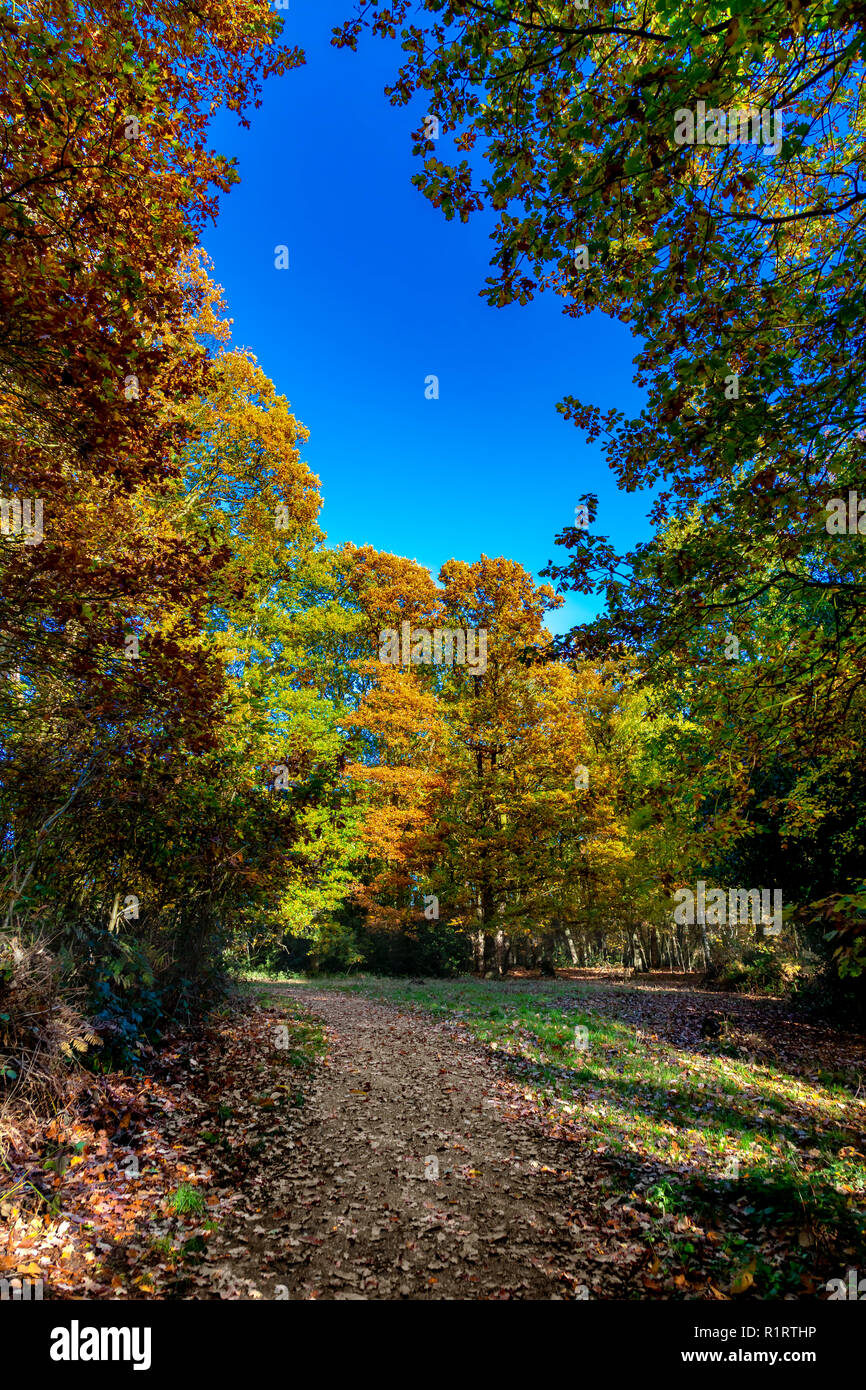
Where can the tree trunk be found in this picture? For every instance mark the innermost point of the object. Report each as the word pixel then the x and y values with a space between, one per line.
pixel 501 953
pixel 705 943
pixel 115 914
pixel 655 953
pixel 478 951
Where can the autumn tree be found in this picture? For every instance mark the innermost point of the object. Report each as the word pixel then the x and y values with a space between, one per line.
pixel 490 795
pixel 117 777
pixel 107 180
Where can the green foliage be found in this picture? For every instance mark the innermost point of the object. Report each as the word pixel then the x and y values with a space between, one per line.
pixel 336 950
pixel 187 1201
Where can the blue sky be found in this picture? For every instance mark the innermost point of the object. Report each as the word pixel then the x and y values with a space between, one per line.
pixel 381 292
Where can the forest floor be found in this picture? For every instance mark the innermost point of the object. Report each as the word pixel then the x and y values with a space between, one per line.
pixel 371 1138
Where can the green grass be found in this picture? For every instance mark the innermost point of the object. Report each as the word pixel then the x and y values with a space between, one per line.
pixel 187 1201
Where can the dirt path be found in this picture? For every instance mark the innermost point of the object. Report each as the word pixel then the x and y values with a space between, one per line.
pixel 512 1213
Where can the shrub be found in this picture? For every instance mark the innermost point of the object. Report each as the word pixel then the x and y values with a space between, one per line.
pixel 761 970
pixel 336 950
pixel 42 1034
pixel 118 987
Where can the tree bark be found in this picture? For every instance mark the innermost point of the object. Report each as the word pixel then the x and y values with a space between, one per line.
pixel 478 950
pixel 655 953
pixel 501 953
